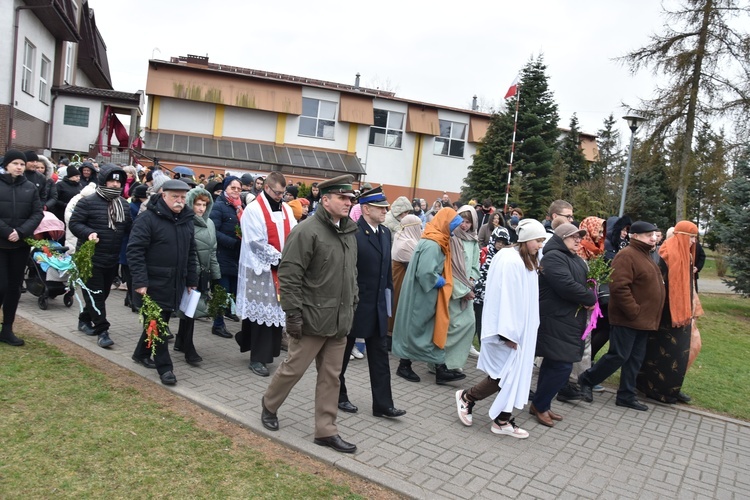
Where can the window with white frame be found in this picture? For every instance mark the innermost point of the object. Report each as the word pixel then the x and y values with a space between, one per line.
pixel 451 140
pixel 388 129
pixel 68 77
pixel 27 70
pixel 44 80
pixel 318 118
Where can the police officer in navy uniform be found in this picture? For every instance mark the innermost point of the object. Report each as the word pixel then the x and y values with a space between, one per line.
pixel 371 317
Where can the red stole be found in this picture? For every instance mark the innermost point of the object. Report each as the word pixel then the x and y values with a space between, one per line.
pixel 273 236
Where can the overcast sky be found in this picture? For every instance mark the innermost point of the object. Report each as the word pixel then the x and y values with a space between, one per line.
pixel 439 52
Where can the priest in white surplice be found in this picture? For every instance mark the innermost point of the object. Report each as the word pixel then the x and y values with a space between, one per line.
pixel 265 226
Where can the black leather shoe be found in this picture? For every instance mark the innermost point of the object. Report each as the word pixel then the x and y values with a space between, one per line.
pixel 233 317
pixel 635 405
pixel 443 375
pixel 169 335
pixel 193 360
pixel 683 398
pixel 389 413
pixel 168 378
pixel 147 362
pixel 405 371
pixel 569 394
pixel 270 420
pixel 336 443
pixel 221 331
pixel 586 390
pixel 348 407
pixel 86 328
pixel 259 368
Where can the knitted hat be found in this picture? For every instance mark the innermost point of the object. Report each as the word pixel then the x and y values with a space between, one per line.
pixel 13 154
pixel 71 171
pixel 31 156
pixel 296 207
pixel 530 229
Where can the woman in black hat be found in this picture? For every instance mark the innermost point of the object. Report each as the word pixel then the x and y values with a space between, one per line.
pixel 20 214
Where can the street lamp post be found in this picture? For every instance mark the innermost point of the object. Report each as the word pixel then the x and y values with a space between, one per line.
pixel 633 122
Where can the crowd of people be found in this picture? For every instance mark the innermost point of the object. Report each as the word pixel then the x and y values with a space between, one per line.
pixel 344 274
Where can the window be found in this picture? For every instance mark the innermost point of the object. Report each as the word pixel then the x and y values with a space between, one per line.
pixel 318 118
pixel 388 129
pixel 27 71
pixel 76 116
pixel 68 78
pixel 44 80
pixel 452 139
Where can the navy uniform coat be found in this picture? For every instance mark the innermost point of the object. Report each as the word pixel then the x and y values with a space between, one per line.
pixel 373 278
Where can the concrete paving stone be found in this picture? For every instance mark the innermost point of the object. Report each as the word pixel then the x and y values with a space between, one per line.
pixel 537 492
pixel 518 482
pixel 698 487
pixel 433 484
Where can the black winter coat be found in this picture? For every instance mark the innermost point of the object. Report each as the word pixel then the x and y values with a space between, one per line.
pixel 228 244
pixel 20 209
pixel 562 297
pixel 373 278
pixel 92 216
pixel 66 190
pixel 39 181
pixel 161 253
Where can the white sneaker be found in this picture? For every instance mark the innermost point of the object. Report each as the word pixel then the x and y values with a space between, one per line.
pixel 464 408
pixel 356 353
pixel 473 352
pixel 509 429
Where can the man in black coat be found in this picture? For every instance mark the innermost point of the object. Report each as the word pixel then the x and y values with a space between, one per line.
pixel 105 218
pixel 375 284
pixel 37 179
pixel 163 263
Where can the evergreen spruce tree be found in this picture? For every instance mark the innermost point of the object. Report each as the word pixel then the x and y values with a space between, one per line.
pixel 706 189
pixel 572 156
pixel 733 223
pixel 536 142
pixel 650 195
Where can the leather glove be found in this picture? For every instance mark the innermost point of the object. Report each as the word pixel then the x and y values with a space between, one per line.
pixel 294 325
pixel 440 282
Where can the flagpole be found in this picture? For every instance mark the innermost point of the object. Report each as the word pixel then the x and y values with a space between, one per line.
pixel 512 150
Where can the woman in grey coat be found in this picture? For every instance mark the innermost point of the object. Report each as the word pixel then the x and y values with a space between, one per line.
pixel 208 269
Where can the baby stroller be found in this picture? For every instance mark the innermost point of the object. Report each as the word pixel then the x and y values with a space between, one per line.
pixel 48 268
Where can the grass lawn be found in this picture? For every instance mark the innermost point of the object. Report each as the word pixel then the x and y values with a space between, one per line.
pixel 719 378
pixel 67 430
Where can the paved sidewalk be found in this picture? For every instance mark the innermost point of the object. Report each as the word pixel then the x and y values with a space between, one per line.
pixel 599 450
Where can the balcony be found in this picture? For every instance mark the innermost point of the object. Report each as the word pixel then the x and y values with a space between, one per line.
pixel 58 17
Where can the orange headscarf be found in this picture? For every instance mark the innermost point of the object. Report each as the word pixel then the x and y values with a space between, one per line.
pixel 438 230
pixel 679 256
pixel 591 244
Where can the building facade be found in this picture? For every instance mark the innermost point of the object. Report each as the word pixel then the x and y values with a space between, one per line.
pixel 55 85
pixel 212 117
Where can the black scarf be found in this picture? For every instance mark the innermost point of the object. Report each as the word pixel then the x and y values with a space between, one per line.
pixel 115 211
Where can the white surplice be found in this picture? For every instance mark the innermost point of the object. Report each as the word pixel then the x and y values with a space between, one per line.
pixel 256 293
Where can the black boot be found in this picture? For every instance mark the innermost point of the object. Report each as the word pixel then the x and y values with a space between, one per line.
pixel 7 336
pixel 443 375
pixel 404 370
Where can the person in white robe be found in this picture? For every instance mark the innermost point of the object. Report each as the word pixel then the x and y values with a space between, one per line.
pixel 510 320
pixel 265 225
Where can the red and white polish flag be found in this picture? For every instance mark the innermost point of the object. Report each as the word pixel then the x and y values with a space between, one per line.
pixel 513 88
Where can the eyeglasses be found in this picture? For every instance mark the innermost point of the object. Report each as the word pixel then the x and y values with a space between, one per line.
pixel 567 216
pixel 277 193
